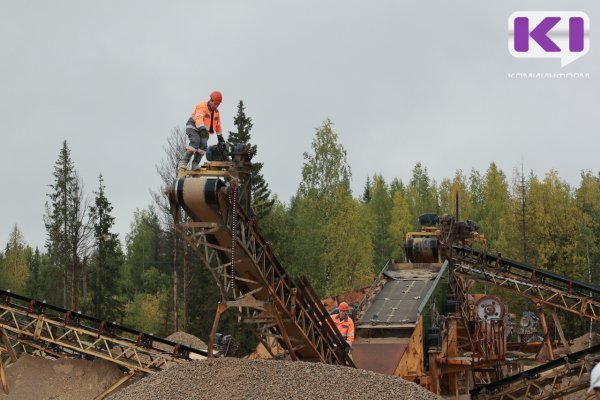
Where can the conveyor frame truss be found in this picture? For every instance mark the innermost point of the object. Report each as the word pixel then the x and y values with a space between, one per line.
pixel 33 326
pixel 555 378
pixel 552 380
pixel 539 285
pixel 273 305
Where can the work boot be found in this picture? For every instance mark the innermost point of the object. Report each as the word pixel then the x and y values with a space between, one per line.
pixel 197 159
pixel 183 164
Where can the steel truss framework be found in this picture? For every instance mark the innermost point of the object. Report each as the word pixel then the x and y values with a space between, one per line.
pixel 36 327
pixel 552 380
pixel 273 305
pixel 539 285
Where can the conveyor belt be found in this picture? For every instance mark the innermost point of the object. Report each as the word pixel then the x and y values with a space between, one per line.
pixel 540 285
pixel 282 309
pixel 543 381
pixel 396 297
pixel 35 325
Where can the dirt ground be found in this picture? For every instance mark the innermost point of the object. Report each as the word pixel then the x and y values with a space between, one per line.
pixel 37 378
pixel 230 378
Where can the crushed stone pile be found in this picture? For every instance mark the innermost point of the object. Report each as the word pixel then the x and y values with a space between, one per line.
pixel 38 378
pixel 185 339
pixel 232 378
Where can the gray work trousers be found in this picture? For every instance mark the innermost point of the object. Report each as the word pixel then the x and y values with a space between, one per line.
pixel 198 138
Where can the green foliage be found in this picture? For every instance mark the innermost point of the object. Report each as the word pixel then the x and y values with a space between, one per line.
pixel 34 283
pixel 325 170
pixel 144 243
pixel 476 195
pixel 15 271
pixel 146 313
pixel 67 226
pixel 58 216
pixel 587 198
pixel 262 203
pixel 336 240
pixel 154 281
pixel 553 220
pixel 243 123
pixel 400 224
pixel 395 186
pixel 495 216
pixel 105 272
pixel 421 194
pixel 366 197
pixel 380 208
pixel 309 219
pixel 460 192
pixel 325 174
pixel 445 196
pixel 276 227
pixel 347 257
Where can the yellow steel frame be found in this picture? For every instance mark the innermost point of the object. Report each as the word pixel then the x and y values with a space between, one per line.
pixel 32 331
pixel 285 312
pixel 581 305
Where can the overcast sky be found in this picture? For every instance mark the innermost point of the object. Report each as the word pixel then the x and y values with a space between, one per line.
pixel 402 81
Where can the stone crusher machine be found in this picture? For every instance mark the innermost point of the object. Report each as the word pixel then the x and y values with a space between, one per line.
pixel 219 225
pixel 552 368
pixel 423 320
pixel 404 325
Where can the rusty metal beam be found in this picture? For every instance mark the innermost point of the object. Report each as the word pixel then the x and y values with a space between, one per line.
pixel 294 318
pixel 537 284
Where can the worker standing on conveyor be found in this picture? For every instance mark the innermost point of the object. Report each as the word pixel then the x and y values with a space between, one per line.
pixel 344 323
pixel 205 120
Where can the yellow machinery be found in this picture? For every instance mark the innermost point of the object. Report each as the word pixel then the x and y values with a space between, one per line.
pixel 224 233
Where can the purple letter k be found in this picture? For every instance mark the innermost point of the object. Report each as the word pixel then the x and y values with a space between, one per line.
pixel 539 34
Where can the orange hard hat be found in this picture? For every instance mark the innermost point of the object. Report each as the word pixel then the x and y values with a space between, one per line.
pixel 216 96
pixel 343 306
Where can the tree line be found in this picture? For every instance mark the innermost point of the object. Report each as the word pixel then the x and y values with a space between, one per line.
pixel 151 280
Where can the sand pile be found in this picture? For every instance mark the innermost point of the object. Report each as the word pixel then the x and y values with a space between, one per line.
pixel 38 378
pixel 231 378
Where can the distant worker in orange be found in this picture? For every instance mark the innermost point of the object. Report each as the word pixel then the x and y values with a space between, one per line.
pixel 205 120
pixel 344 323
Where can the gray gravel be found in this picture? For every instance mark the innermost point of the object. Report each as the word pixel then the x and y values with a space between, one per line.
pixel 231 378
pixel 185 339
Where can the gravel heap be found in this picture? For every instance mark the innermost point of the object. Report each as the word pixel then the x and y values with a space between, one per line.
pixel 232 378
pixel 38 378
pixel 187 340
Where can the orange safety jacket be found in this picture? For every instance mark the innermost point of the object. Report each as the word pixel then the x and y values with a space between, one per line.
pixel 203 116
pixel 345 326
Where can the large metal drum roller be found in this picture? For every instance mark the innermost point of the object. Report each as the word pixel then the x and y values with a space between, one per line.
pixel 422 250
pixel 199 197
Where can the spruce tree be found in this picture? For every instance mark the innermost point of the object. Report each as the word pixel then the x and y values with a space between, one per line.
pixel 34 282
pixel 67 225
pixel 56 218
pixel 262 202
pixel 366 197
pixel 106 262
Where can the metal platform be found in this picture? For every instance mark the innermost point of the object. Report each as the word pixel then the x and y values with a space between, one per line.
pixel 402 289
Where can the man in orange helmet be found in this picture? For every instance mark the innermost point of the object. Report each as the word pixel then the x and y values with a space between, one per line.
pixel 344 323
pixel 205 120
